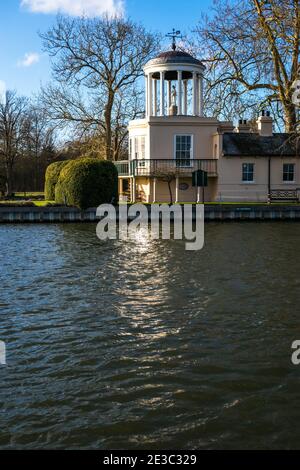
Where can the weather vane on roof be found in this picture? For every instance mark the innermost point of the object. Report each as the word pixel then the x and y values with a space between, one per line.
pixel 174 35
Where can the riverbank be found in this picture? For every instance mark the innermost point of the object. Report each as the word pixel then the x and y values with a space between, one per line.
pixel 215 212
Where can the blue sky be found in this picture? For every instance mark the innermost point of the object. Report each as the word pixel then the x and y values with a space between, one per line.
pixel 23 66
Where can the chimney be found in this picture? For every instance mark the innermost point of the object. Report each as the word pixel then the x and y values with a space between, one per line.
pixel 265 124
pixel 243 127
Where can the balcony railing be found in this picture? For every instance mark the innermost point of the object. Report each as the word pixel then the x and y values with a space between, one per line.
pixel 162 167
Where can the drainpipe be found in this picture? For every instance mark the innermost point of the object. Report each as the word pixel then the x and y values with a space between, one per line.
pixel 269 180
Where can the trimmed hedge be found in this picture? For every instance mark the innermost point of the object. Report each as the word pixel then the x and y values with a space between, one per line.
pixel 52 176
pixel 87 182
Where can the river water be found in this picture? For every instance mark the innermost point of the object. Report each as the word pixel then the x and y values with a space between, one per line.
pixel 142 345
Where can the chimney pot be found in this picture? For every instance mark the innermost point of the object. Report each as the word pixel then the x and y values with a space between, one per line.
pixel 265 124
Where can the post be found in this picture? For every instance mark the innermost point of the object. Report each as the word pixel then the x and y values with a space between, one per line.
pixel 177 190
pixel 179 73
pixel 195 79
pixel 162 93
pixel 154 190
pixel 269 179
pixel 120 187
pixel 198 195
pixel 133 192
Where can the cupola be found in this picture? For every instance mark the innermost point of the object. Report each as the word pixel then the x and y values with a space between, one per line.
pixel 172 78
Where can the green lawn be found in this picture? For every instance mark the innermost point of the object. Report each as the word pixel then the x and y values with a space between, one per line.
pixel 29 195
pixel 43 203
pixel 23 203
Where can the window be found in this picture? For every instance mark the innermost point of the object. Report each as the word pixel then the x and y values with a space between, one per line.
pixel 288 172
pixel 139 147
pixel 248 172
pixel 140 150
pixel 142 147
pixel 183 150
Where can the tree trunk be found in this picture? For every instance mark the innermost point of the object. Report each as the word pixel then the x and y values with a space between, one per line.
pixel 290 118
pixel 9 180
pixel 108 131
pixel 170 191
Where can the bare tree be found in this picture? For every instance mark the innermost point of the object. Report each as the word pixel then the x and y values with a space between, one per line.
pixel 13 113
pixel 38 136
pixel 252 55
pixel 96 64
pixel 167 176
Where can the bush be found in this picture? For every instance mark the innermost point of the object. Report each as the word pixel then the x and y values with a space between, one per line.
pixel 87 182
pixel 52 175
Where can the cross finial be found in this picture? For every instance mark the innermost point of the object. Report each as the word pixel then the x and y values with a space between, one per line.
pixel 174 35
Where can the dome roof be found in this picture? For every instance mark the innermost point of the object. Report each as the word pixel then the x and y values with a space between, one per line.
pixel 174 57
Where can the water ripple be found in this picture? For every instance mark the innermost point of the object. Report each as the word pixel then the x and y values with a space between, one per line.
pixel 144 345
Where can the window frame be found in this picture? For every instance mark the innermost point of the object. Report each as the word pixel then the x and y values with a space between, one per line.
pixel 288 181
pixel 247 181
pixel 139 151
pixel 191 151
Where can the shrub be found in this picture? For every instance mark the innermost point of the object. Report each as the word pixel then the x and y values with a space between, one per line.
pixel 52 175
pixel 87 182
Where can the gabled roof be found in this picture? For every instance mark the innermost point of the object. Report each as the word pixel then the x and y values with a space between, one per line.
pixel 244 144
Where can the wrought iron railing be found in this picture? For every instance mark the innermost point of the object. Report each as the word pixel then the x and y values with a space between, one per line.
pixel 163 166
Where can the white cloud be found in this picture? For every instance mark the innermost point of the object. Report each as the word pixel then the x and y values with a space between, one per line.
pixel 89 8
pixel 29 59
pixel 2 89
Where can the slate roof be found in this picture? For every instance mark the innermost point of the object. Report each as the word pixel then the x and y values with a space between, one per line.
pixel 175 57
pixel 244 144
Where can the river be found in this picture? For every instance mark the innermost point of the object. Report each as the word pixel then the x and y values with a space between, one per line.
pixel 143 345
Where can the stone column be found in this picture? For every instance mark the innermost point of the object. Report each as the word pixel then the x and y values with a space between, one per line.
pixel 185 97
pixel 169 97
pixel 146 95
pixel 162 93
pixel 150 95
pixel 179 92
pixel 195 80
pixel 155 98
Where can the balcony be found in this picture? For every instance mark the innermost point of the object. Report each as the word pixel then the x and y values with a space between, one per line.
pixel 161 167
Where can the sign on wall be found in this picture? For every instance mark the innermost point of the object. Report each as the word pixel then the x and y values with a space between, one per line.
pixel 200 179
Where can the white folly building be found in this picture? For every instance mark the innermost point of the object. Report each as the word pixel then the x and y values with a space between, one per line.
pixel 175 139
